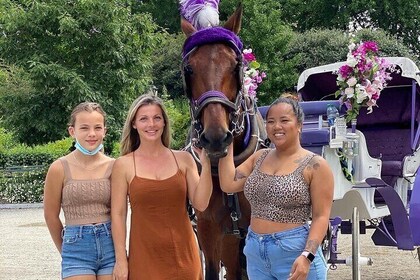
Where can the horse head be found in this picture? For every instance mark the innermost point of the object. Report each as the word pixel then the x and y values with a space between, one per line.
pixel 212 71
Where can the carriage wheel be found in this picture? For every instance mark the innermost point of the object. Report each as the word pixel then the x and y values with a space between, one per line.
pixel 355 248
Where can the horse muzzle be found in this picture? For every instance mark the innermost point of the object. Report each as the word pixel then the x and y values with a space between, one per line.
pixel 216 147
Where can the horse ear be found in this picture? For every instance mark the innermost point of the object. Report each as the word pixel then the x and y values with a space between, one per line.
pixel 235 20
pixel 187 27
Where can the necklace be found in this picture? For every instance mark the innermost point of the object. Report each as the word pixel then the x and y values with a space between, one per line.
pixel 83 165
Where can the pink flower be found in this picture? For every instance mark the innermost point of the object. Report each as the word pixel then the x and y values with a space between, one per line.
pixel 249 57
pixel 345 71
pixel 252 76
pixel 370 46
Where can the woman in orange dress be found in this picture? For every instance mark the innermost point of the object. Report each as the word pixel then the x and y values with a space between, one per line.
pixel 158 181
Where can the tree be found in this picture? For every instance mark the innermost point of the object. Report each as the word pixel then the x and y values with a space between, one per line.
pixel 73 51
pixel 167 65
pixel 319 47
pixel 264 30
pixel 165 13
pixel 398 17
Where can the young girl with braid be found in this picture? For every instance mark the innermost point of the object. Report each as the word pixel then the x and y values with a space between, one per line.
pixel 286 186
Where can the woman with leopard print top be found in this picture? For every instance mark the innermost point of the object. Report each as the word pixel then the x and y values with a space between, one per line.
pixel 286 186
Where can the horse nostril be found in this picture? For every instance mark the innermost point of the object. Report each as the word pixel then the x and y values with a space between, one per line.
pixel 229 138
pixel 203 141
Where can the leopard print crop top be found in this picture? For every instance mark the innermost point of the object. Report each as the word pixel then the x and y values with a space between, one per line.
pixel 279 198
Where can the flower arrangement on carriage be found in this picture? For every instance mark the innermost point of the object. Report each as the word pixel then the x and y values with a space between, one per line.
pixel 362 78
pixel 253 77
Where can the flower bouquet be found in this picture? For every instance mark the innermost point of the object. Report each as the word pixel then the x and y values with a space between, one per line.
pixel 362 78
pixel 252 76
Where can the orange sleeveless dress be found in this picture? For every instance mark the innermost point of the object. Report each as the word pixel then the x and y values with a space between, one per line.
pixel 162 243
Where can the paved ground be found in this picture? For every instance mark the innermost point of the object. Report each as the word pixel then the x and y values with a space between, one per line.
pixel 27 252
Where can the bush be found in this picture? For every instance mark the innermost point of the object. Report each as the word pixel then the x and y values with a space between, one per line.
pixel 22 186
pixel 179 116
pixel 24 169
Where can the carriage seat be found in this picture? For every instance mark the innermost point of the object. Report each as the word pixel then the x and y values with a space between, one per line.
pixel 387 131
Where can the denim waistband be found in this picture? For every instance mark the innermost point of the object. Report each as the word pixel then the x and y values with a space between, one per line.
pixel 279 235
pixel 90 228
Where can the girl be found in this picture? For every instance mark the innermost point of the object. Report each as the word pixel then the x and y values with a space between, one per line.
pixel 79 183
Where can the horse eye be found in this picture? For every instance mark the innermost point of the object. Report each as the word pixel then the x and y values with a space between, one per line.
pixel 188 69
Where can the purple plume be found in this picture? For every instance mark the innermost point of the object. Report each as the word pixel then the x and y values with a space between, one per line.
pixel 200 13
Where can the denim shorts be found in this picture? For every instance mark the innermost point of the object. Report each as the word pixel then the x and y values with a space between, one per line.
pixel 271 256
pixel 87 250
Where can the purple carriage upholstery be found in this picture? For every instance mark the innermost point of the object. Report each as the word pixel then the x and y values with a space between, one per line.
pixel 387 129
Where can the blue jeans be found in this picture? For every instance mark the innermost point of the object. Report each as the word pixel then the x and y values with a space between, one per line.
pixel 271 256
pixel 87 250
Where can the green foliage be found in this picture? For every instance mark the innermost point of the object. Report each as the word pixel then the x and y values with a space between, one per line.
pixel 24 169
pixel 6 140
pixel 22 155
pixel 166 65
pixel 22 186
pixel 318 47
pixel 315 48
pixel 389 45
pixel 263 30
pixel 115 153
pixel 399 18
pixel 178 111
pixel 73 51
pixel 166 14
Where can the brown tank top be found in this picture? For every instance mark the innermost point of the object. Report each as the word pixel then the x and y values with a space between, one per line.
pixel 279 198
pixel 86 201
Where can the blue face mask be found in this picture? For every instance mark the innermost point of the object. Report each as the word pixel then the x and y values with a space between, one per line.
pixel 87 152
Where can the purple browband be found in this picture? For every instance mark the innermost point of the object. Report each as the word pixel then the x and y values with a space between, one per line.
pixel 211 35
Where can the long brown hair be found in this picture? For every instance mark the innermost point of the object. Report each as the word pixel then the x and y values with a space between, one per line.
pixel 130 139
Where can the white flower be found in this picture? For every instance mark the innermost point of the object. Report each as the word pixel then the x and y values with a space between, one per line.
pixel 349 92
pixel 361 94
pixel 352 81
pixel 351 60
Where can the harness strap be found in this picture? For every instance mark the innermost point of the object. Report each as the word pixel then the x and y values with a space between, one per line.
pixel 235 214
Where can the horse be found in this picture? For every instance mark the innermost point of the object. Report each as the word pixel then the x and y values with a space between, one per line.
pixel 221 114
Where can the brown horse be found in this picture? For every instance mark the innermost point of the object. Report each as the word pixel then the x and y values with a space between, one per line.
pixel 221 114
